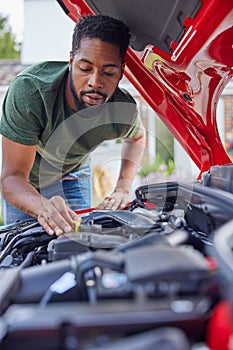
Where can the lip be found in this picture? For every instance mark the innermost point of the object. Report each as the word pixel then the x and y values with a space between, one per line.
pixel 93 99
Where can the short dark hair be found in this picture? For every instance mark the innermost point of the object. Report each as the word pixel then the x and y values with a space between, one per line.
pixel 101 27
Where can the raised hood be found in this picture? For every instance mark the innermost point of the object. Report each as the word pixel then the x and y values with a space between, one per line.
pixel 185 61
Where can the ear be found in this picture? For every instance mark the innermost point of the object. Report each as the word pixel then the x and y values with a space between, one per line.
pixel 122 70
pixel 71 59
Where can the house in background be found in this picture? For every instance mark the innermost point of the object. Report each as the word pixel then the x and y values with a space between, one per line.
pixel 47 32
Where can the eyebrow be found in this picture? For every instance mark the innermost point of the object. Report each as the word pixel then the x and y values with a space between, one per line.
pixel 105 65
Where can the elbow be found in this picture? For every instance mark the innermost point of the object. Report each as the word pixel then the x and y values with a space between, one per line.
pixel 3 186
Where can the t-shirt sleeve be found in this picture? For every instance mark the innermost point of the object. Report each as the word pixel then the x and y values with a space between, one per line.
pixel 18 121
pixel 128 105
pixel 133 130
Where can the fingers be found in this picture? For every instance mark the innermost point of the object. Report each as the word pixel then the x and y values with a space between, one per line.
pixel 117 200
pixel 74 216
pixel 108 203
pixel 76 220
pixel 56 217
pixel 49 225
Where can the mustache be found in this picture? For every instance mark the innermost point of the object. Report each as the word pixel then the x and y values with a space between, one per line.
pixel 92 91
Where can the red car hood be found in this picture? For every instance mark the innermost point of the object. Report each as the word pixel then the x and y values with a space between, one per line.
pixel 186 61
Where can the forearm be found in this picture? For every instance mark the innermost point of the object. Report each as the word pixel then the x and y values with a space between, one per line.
pixel 53 214
pixel 126 176
pixel 22 195
pixel 132 154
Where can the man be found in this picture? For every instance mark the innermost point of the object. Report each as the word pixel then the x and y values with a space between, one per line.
pixel 48 129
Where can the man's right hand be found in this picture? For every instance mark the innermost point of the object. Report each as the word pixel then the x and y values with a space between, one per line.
pixel 56 217
pixel 52 214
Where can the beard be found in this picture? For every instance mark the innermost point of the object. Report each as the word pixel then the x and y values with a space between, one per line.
pixel 79 104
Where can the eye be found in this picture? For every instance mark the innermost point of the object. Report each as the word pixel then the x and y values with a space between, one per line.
pixel 110 71
pixel 109 74
pixel 85 69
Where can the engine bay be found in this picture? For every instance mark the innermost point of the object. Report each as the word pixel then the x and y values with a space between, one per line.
pixel 123 274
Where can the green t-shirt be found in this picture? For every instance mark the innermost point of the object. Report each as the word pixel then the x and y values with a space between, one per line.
pixel 35 113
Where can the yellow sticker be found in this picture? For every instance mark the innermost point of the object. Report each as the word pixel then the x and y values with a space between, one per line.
pixel 150 59
pixel 76 225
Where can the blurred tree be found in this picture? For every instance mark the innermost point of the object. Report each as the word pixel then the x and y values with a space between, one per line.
pixel 9 47
pixel 164 141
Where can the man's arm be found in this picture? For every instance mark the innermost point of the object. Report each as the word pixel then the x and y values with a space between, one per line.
pixel 17 161
pixel 132 153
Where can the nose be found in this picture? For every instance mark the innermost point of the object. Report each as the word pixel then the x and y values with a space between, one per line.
pixel 95 80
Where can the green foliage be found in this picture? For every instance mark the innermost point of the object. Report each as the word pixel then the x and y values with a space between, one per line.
pixel 159 166
pixel 164 141
pixel 9 48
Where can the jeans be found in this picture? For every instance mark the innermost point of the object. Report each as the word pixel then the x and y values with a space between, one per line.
pixel 74 187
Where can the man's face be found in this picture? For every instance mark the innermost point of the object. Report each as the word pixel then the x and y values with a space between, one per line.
pixel 96 70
